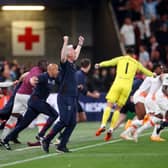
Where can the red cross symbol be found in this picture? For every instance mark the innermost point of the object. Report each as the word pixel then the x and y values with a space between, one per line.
pixel 28 38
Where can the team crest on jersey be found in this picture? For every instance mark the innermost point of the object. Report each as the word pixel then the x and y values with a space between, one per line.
pixel 52 82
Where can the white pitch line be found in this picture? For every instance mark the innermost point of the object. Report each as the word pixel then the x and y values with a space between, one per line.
pixel 55 154
pixel 26 148
pixel 80 148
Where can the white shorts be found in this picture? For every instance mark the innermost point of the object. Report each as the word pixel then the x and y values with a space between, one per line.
pixel 20 103
pixel 162 102
pixel 150 106
pixel 137 97
pixel 155 120
pixel 52 100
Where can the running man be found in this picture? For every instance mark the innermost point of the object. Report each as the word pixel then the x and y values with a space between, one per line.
pixel 143 99
pixel 37 104
pixel 118 94
pixel 156 110
pixel 22 96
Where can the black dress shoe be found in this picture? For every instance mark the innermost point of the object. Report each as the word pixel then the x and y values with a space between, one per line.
pixel 5 144
pixel 63 150
pixel 16 141
pixel 45 146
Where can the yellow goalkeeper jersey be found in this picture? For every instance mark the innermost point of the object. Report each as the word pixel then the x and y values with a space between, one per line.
pixel 126 70
pixel 126 67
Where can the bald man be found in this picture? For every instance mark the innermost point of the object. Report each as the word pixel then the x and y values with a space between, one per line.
pixel 37 104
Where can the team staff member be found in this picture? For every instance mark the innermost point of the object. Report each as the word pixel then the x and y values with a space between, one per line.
pixel 37 104
pixel 67 97
pixel 81 74
pixel 118 94
pixel 85 65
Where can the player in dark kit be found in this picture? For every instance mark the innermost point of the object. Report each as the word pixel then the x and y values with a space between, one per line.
pixel 37 104
pixel 67 97
pixel 81 77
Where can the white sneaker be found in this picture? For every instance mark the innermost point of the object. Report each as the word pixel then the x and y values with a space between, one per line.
pixel 135 137
pixel 126 137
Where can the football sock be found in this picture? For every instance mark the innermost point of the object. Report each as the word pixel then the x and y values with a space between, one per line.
pixel 10 124
pixel 114 119
pixel 135 124
pixel 106 115
pixel 154 133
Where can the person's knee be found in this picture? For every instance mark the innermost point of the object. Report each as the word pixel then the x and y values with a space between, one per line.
pixel 20 127
pixel 140 111
pixel 55 116
pixel 109 104
pixel 73 125
pixel 140 116
pixel 61 123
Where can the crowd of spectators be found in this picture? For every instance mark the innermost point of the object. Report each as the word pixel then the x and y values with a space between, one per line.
pixel 144 28
pixel 10 72
pixel 100 80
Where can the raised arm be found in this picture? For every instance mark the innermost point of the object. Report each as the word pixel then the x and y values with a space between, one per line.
pixel 108 63
pixel 23 76
pixel 145 70
pixel 6 84
pixel 64 49
pixel 79 46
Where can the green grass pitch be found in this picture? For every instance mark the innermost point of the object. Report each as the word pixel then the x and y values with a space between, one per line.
pixel 89 152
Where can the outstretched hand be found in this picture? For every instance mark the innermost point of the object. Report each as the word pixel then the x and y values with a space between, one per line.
pixel 97 66
pixel 34 81
pixel 96 95
pixel 15 82
pixel 81 40
pixel 66 38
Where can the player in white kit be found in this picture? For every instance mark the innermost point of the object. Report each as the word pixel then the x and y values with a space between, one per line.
pixel 139 100
pixel 143 94
pixel 157 112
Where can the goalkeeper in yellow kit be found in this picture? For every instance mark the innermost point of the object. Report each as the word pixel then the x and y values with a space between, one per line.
pixel 118 94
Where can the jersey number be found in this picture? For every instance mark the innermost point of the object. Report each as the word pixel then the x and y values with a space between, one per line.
pixel 126 68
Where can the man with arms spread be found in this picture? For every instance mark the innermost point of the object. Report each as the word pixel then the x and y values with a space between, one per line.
pixel 118 94
pixel 37 104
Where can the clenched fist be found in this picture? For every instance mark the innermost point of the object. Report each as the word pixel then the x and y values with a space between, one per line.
pixel 81 40
pixel 65 38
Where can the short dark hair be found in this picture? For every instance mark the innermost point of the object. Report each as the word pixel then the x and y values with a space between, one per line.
pixel 130 50
pixel 157 65
pixel 85 62
pixel 42 64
